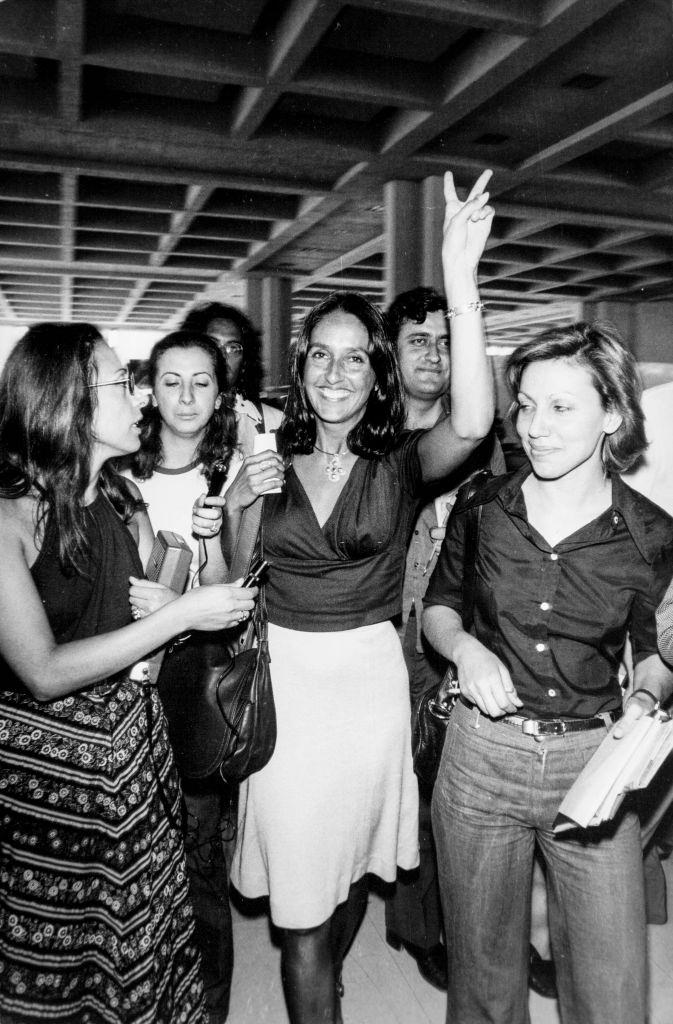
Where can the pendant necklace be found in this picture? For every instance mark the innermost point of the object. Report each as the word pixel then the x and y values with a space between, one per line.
pixel 333 468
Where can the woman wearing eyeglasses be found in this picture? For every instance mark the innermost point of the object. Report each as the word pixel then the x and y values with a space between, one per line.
pixel 95 921
pixel 240 345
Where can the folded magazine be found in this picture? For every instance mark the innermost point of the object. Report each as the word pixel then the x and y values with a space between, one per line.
pixel 617 767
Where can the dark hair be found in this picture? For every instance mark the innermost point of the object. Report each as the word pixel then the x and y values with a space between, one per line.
pixel 377 431
pixel 413 306
pixel 219 438
pixel 46 438
pixel 598 347
pixel 249 380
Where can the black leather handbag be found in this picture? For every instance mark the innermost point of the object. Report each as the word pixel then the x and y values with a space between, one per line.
pixel 430 718
pixel 216 688
pixel 431 715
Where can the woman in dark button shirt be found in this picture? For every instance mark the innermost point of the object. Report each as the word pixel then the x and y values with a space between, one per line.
pixel 338 798
pixel 570 560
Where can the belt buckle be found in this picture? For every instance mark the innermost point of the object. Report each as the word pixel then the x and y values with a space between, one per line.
pixel 532 727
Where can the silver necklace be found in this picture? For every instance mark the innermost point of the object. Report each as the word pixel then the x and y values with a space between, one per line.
pixel 333 467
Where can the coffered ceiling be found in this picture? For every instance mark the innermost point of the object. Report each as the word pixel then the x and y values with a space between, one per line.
pixel 152 152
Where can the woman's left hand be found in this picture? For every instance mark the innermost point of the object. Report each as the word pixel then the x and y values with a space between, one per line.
pixel 636 706
pixel 207 518
pixel 146 596
pixel 466 225
pixel 652 683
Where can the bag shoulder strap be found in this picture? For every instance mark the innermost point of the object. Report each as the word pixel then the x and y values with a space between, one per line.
pixel 472 529
pixel 249 537
pixel 246 539
pixel 260 427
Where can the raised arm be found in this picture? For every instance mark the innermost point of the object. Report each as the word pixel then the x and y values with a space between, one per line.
pixel 466 228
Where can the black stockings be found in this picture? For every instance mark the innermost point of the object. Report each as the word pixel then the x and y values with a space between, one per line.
pixel 311 961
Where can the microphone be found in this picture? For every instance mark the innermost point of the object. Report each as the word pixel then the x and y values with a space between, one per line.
pixel 217 478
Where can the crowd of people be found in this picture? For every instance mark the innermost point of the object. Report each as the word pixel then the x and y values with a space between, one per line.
pixel 114 884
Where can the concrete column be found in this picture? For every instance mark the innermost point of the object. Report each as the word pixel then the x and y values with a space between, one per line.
pixel 432 222
pixel 403 237
pixel 414 217
pixel 254 300
pixel 276 327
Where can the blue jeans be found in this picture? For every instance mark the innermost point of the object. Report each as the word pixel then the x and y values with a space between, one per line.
pixel 497 794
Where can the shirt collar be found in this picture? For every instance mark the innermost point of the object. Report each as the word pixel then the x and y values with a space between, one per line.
pixel 642 518
pixel 244 407
pixel 510 493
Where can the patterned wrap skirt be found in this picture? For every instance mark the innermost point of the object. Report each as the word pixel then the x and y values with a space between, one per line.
pixel 338 798
pixel 95 922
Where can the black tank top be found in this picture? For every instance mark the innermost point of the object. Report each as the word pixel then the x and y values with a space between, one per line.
pixel 96 599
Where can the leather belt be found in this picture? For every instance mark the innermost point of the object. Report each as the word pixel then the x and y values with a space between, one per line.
pixel 559 726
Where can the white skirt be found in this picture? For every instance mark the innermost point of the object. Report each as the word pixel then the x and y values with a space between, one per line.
pixel 339 797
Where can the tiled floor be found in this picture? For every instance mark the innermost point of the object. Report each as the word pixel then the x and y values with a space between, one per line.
pixel 384 987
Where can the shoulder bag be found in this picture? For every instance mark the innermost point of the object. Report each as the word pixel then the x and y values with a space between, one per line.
pixel 431 715
pixel 216 687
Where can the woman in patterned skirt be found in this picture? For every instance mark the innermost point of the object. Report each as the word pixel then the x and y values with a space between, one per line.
pixel 95 923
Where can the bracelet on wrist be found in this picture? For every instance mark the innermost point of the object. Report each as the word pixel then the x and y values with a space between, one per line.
pixel 470 307
pixel 648 693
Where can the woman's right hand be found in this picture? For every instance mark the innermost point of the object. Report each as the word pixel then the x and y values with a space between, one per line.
pixel 484 680
pixel 258 474
pixel 219 606
pixel 467 225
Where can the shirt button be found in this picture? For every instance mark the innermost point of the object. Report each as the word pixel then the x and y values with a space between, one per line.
pixel 553 556
pixel 540 647
pixel 552 693
pixel 545 606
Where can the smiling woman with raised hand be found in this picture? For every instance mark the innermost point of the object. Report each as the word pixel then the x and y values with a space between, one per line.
pixel 338 798
pixel 570 560
pixel 95 922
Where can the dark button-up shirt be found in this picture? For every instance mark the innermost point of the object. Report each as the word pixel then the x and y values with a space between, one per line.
pixel 558 617
pixel 423 551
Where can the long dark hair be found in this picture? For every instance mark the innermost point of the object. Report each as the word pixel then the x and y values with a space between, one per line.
pixel 219 438
pixel 251 373
pixel 375 434
pixel 46 437
pixel 598 347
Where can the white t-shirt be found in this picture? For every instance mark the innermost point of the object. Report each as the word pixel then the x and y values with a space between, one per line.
pixel 170 495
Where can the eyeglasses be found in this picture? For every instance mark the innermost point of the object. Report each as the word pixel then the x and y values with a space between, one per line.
pixel 129 382
pixel 232 348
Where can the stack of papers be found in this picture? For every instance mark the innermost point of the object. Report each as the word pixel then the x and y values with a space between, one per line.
pixel 617 767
